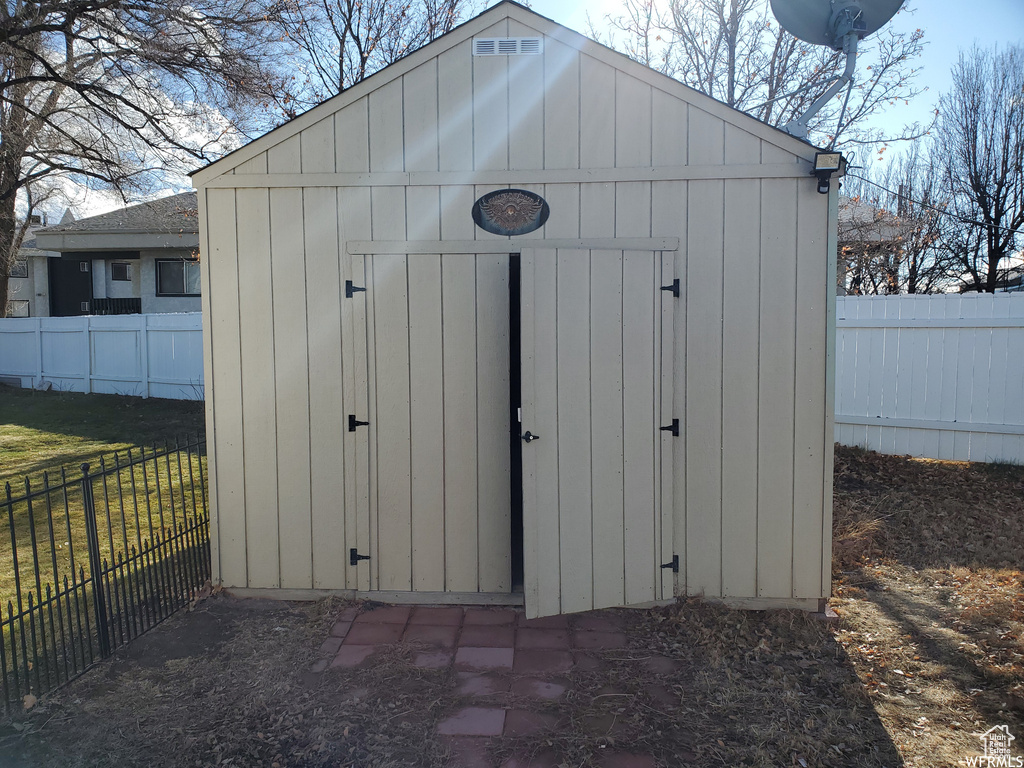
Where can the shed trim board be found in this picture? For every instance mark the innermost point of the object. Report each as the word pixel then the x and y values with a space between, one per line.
pixel 506 178
pixel 373 357
pixel 367 247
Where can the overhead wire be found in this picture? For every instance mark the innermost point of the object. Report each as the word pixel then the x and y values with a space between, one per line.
pixel 935 208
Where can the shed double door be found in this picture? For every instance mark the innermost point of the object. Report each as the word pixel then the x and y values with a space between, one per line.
pixel 434 475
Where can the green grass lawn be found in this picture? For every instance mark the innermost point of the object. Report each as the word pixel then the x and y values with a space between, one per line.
pixel 42 431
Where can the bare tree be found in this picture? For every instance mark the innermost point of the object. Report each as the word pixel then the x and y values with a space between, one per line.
pixel 343 41
pixel 981 136
pixel 117 93
pixel 891 228
pixel 735 51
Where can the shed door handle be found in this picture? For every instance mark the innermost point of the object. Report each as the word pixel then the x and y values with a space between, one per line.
pixel 530 437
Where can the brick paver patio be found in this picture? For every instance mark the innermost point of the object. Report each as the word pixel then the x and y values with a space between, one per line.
pixel 495 653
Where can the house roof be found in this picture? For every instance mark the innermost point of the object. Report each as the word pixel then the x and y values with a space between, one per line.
pixel 468 29
pixel 170 222
pixel 28 249
pixel 859 221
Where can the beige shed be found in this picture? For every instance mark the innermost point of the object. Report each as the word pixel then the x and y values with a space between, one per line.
pixel 515 232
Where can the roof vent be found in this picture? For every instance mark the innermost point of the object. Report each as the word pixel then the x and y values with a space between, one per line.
pixel 507 46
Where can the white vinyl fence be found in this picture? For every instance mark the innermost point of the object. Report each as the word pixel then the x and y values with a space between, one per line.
pixel 140 355
pixel 932 376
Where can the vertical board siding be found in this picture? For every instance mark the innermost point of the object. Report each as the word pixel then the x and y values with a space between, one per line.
pixel 354 222
pixel 542 537
pixel 420 121
pixel 561 105
pixel 224 398
pixel 606 396
pixel 459 324
pixel 259 399
pixel 203 212
pixel 329 456
pixel 387 146
pixel 494 514
pixel 372 440
pixel 575 512
pixel 351 127
pixel 706 138
pixel 914 373
pixel 740 336
pixel 291 387
pixel 669 218
pixel 286 156
pixel 391 426
pixel 812 294
pixel 669 145
pixel 525 129
pixel 423 217
pixel 491 109
pixel 640 321
pixel 317 147
pixel 597 114
pixel 666 378
pixel 455 116
pixel 776 383
pixel 632 122
pixel 704 388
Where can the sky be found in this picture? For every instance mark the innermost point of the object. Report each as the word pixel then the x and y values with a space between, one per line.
pixel 949 25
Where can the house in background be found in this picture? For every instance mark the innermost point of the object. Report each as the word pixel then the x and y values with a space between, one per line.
pixel 141 259
pixel 27 293
pixel 867 234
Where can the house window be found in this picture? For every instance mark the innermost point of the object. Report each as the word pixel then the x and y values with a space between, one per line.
pixel 121 271
pixel 17 308
pixel 177 278
pixel 19 268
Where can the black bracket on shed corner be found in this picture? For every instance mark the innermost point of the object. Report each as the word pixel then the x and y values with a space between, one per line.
pixel 352 289
pixel 353 422
pixel 673 563
pixel 673 428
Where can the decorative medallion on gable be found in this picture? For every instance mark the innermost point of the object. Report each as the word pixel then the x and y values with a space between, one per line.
pixel 510 212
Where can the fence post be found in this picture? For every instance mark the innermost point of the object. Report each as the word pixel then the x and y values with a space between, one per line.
pixel 95 563
pixel 144 353
pixel 87 337
pixel 39 353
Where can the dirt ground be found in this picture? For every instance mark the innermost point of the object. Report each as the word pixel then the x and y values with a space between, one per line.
pixel 928 653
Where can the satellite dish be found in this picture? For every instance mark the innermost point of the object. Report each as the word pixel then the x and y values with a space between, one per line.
pixel 839 24
pixel 827 22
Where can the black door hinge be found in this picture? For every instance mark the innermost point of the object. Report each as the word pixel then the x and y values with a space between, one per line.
pixel 673 428
pixel 673 286
pixel 351 289
pixel 673 564
pixel 353 422
pixel 354 557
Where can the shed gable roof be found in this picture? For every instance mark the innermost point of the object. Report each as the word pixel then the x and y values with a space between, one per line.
pixel 481 24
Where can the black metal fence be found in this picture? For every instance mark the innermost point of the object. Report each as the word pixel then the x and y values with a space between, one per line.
pixel 116 307
pixel 96 560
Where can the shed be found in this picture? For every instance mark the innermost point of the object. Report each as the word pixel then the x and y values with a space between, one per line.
pixel 378 344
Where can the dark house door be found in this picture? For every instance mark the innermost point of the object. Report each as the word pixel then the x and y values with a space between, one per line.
pixel 70 286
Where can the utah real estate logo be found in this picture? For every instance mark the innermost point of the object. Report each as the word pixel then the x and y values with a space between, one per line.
pixel 996 743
